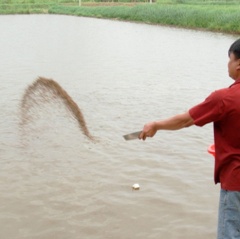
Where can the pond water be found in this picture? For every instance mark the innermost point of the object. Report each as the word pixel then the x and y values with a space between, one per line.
pixel 54 181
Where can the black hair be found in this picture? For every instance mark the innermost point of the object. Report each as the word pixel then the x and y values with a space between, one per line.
pixel 235 49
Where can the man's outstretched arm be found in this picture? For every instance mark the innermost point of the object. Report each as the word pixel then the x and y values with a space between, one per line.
pixel 173 123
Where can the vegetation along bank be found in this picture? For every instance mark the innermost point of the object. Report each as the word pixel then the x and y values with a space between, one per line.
pixel 212 15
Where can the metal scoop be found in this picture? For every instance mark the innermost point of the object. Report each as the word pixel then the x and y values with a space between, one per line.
pixel 131 136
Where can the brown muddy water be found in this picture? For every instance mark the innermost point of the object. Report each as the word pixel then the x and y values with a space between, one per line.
pixel 57 183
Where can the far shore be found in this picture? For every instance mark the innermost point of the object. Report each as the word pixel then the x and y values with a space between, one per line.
pixel 206 17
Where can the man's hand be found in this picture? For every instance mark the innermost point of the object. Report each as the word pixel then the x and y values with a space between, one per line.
pixel 149 130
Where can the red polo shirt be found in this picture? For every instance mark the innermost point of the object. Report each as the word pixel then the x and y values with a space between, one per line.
pixel 222 107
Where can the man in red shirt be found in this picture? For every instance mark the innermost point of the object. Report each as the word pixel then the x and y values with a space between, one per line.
pixel 222 107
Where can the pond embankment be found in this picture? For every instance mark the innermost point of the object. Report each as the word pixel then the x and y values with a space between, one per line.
pixel 219 18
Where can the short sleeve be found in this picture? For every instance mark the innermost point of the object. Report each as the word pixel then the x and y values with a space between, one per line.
pixel 210 110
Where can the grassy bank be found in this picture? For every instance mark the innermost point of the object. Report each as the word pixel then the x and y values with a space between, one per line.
pixel 215 18
pixel 212 15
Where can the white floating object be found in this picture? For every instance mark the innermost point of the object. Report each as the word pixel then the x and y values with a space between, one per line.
pixel 135 186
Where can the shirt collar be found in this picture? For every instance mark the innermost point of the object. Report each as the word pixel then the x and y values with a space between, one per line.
pixel 236 82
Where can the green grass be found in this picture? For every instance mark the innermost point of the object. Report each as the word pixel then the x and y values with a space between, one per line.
pixel 36 1
pixel 200 2
pixel 212 15
pixel 214 18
